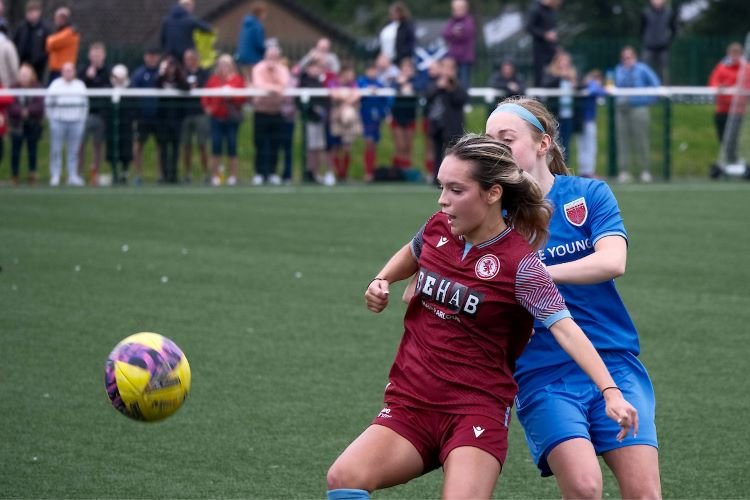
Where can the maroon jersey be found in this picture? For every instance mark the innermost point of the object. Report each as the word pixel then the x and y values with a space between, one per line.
pixel 469 320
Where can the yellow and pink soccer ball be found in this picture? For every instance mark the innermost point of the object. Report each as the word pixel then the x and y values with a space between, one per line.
pixel 147 377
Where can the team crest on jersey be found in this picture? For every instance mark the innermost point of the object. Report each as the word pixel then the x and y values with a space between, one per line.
pixel 576 211
pixel 487 267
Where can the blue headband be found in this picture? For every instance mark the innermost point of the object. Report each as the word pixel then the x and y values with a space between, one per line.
pixel 520 111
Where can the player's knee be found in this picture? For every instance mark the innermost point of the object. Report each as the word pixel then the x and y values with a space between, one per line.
pixel 341 475
pixel 642 490
pixel 584 486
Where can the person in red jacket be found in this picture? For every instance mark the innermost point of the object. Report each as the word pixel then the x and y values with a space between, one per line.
pixel 724 76
pixel 226 115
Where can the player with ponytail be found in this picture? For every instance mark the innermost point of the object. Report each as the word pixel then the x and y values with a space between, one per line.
pixel 479 287
pixel 561 411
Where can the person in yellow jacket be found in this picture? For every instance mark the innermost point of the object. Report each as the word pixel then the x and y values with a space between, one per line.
pixel 62 45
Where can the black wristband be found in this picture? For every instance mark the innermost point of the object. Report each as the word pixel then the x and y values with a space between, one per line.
pixel 376 279
pixel 611 387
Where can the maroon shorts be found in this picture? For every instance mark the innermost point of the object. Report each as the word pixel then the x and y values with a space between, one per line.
pixel 436 434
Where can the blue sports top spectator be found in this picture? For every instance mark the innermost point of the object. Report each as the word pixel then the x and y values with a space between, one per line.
pixel 146 77
pixel 373 109
pixel 177 29
pixel 632 73
pixel 251 44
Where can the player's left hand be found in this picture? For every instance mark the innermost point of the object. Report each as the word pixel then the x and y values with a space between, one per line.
pixel 622 412
pixel 376 295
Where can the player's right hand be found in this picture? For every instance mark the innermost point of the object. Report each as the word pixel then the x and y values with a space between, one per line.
pixel 376 296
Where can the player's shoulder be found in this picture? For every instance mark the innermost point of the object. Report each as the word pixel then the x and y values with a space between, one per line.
pixel 567 186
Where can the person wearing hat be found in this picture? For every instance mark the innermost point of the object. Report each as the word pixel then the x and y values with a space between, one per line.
pixel 30 39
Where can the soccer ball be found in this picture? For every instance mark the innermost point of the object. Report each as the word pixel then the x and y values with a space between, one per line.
pixel 147 377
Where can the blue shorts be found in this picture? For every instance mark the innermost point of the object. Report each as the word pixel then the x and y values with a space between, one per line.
pixel 371 131
pixel 572 407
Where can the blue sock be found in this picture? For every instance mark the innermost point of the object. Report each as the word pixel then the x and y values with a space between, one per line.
pixel 348 494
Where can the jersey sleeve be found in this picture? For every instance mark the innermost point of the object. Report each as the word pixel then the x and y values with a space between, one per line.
pixel 536 292
pixel 605 218
pixel 418 241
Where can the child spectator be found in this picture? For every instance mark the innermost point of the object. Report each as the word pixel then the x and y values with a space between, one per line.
pixel 170 115
pixel 345 121
pixel 404 115
pixel 373 110
pixel 120 119
pixel 67 107
pixel 387 71
pixel 25 117
pixel 507 80
pixel 315 115
pixel 445 100
pixel 226 115
pixel 95 75
pixel 147 123
pixel 196 123
pixel 594 86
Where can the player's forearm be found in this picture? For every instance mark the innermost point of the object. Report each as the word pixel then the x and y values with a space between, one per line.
pixel 400 266
pixel 607 262
pixel 572 339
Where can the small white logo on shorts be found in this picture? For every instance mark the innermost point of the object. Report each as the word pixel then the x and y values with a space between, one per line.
pixel 478 431
pixel 385 413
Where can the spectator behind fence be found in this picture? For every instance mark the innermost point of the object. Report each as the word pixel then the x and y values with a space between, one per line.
pixel 25 117
pixel 67 108
pixel 95 75
pixel 196 123
pixel 506 79
pixel 387 71
pixel 5 103
pixel 177 29
pixel 62 44
pixel 404 115
pixel 633 117
pixel 425 86
pixel 170 116
pixel 541 24
pixel 8 57
pixel 587 146
pixel 251 45
pixel 406 37
pixel 658 30
pixel 446 100
pixel 561 75
pixel 322 53
pixel 346 124
pixel 146 119
pixel 724 77
pixel 315 116
pixel 226 115
pixel 460 35
pixel 31 38
pixel 289 117
pixel 373 110
pixel 272 76
pixel 120 119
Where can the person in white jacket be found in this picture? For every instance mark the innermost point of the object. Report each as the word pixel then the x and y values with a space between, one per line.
pixel 67 108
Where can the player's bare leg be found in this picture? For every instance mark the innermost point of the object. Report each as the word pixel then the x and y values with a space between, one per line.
pixel 576 469
pixel 378 458
pixel 637 471
pixel 470 473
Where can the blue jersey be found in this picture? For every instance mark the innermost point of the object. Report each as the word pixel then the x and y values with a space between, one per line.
pixel 585 210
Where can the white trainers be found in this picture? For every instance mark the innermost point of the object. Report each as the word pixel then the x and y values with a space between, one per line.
pixel 216 181
pixel 231 181
pixel 76 181
pixel 274 180
pixel 54 181
pixel 329 179
pixel 646 177
pixel 257 180
pixel 624 178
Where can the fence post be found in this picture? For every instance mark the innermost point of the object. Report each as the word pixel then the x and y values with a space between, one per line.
pixel 612 169
pixel 667 137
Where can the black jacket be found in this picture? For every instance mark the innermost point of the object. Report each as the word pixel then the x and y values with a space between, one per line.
pixel 445 110
pixel 177 31
pixel 406 40
pixel 658 27
pixel 539 20
pixel 30 41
